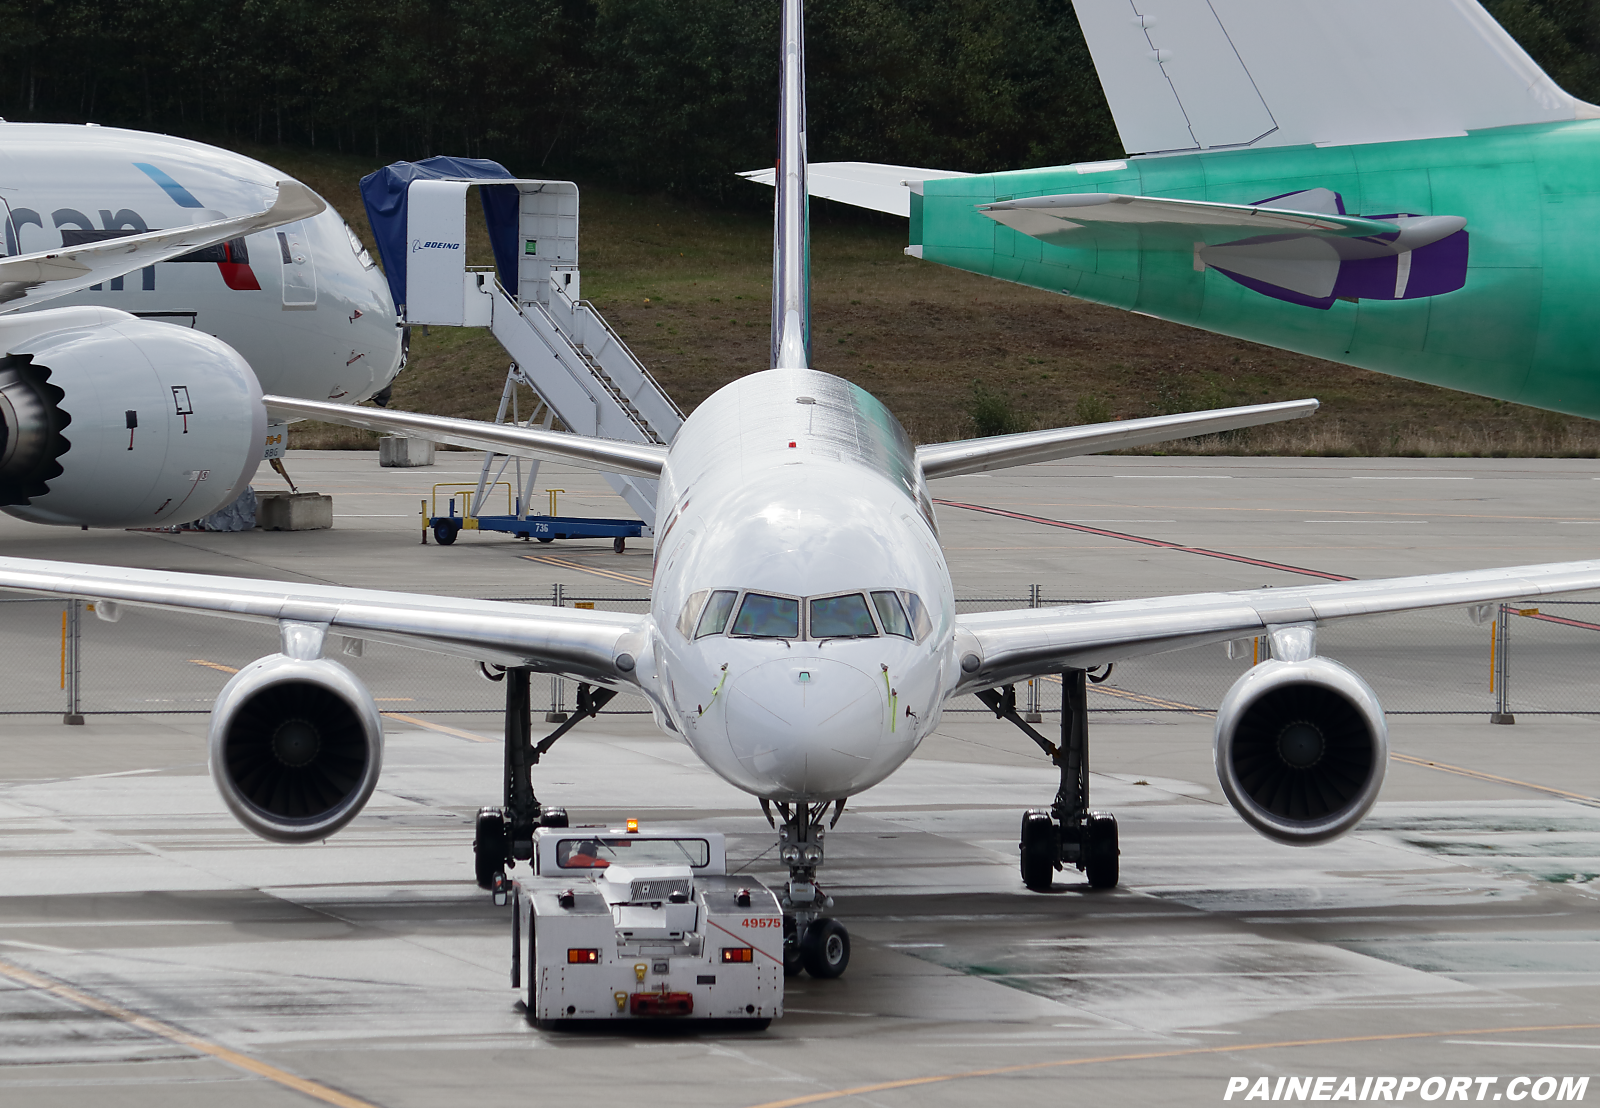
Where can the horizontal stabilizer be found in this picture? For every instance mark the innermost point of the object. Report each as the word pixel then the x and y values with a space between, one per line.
pixel 1302 247
pixel 1051 218
pixel 29 278
pixel 883 188
pixel 606 455
pixel 950 459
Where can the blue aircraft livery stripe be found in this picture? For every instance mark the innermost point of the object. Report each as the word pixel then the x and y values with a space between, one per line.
pixel 183 197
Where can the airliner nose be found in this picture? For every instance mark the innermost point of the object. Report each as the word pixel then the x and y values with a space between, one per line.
pixel 809 726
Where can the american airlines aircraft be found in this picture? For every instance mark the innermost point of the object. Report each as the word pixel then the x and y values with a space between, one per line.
pixel 138 404
pixel 802 635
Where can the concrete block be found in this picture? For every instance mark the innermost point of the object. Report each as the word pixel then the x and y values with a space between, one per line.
pixel 298 511
pixel 397 452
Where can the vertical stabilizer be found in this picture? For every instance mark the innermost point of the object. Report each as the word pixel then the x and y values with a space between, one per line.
pixel 791 220
pixel 1220 74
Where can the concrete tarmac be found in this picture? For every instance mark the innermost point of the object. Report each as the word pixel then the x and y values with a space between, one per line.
pixel 152 952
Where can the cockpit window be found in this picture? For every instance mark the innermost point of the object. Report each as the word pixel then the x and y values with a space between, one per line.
pixel 842 617
pixel 920 623
pixel 768 617
pixel 892 614
pixel 360 251
pixel 715 618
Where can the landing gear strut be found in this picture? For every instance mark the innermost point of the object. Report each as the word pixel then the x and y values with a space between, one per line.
pixel 505 834
pixel 1067 832
pixel 819 946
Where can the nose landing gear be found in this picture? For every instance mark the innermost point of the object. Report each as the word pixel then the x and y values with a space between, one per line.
pixel 819 946
pixel 1067 832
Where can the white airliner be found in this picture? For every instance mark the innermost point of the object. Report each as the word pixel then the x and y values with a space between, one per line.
pixel 802 636
pixel 291 305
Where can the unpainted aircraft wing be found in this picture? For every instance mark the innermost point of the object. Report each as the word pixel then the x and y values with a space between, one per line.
pixel 593 646
pixel 27 279
pixel 1002 647
pixel 607 455
pixel 950 459
pixel 883 188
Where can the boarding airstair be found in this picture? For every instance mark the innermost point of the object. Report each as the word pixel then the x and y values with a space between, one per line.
pixel 561 347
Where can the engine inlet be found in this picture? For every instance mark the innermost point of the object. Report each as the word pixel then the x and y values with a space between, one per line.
pixel 31 421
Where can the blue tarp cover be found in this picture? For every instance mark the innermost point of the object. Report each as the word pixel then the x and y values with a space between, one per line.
pixel 384 194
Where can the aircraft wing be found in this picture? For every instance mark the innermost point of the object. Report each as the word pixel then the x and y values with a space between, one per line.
pixel 949 459
pixel 598 647
pixel 30 278
pixel 1001 647
pixel 883 188
pixel 609 455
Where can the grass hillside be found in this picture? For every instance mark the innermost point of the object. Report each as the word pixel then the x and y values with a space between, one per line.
pixel 952 354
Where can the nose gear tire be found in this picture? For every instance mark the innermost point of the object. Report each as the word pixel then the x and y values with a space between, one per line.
pixel 792 965
pixel 825 949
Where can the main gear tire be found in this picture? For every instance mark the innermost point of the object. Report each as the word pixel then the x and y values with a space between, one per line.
pixel 1101 855
pixel 489 846
pixel 1040 850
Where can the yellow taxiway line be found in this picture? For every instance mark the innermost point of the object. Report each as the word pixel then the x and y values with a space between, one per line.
pixel 177 1035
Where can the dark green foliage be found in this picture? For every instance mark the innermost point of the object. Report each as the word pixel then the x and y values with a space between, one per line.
pixel 674 94
pixel 655 94
pixel 992 413
pixel 1563 36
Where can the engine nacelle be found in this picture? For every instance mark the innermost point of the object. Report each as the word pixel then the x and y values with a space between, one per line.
pixel 296 747
pixel 108 420
pixel 1301 749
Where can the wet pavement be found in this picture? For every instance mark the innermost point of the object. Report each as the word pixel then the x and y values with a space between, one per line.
pixel 152 952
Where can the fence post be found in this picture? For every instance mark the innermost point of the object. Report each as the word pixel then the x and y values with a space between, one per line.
pixel 71 657
pixel 1033 715
pixel 557 712
pixel 1500 667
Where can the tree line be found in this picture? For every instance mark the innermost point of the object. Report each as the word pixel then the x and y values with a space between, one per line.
pixel 651 94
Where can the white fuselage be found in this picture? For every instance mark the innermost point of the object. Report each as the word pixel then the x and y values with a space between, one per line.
pixel 796 484
pixel 307 309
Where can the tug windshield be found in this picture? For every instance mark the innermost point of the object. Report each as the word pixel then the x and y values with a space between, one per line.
pixel 599 851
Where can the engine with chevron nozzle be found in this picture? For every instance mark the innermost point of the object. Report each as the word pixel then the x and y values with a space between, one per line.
pixel 108 420
pixel 1301 748
pixel 296 747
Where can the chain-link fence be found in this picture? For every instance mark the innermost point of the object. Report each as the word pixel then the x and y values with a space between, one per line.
pixel 1542 659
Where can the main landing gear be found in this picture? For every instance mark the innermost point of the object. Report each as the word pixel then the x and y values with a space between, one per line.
pixel 505 834
pixel 1067 832
pixel 817 945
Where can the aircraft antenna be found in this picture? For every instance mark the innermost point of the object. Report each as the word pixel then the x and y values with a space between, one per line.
pixel 791 216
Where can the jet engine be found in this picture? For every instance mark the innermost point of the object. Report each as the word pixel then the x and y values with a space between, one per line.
pixel 1301 749
pixel 108 420
pixel 296 747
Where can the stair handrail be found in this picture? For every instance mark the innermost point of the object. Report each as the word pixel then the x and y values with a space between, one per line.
pixel 644 370
pixel 638 421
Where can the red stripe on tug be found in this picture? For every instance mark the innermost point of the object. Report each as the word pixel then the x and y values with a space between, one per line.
pixel 661 1004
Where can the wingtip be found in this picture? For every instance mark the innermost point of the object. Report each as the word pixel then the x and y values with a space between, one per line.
pixel 295 201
